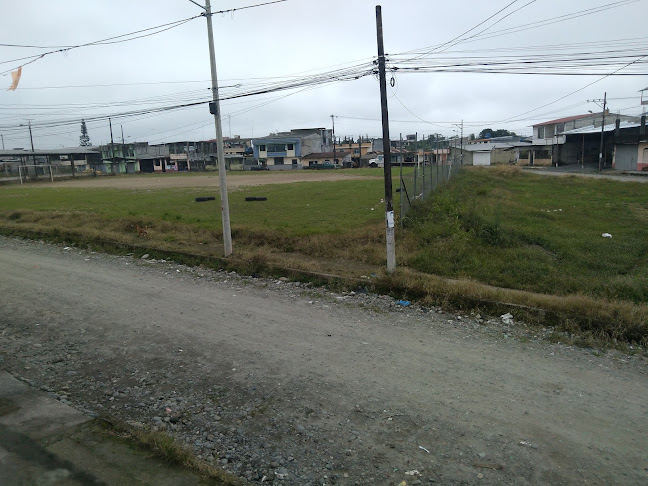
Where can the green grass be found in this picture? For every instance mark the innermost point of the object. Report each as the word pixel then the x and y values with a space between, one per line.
pixel 541 234
pixel 294 209
pixel 378 171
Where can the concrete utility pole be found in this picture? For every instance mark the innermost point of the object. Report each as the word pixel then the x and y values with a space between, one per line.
pixel 222 176
pixel 359 151
pixel 333 119
pixel 31 139
pixel 214 108
pixel 602 133
pixel 112 148
pixel 2 136
pixel 400 157
pixel 389 205
pixel 461 164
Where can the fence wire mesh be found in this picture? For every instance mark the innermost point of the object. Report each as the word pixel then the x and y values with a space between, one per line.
pixel 422 182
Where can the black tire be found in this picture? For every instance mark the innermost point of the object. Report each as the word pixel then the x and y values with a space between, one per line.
pixel 205 198
pixel 256 198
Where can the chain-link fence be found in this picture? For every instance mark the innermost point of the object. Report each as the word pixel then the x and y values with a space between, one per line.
pixel 423 181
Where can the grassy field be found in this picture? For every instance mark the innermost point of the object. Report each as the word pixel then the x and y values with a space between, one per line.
pixel 542 234
pixel 497 227
pixel 331 220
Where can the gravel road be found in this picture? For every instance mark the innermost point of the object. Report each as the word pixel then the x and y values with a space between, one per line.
pixel 284 383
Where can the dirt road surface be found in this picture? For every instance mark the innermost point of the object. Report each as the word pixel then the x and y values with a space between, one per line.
pixel 166 181
pixel 282 383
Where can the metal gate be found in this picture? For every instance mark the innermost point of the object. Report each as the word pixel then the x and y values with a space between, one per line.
pixel 626 157
pixel 481 158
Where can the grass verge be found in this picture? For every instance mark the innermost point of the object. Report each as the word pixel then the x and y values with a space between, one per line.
pixel 168 449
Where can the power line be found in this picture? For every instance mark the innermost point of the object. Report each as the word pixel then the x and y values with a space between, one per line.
pixel 528 26
pixel 108 40
pixel 120 38
pixel 573 92
pixel 470 30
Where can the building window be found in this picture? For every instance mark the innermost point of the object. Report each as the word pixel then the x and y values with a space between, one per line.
pixel 276 147
pixel 278 161
pixel 157 163
pixel 262 148
pixel 356 151
pixel 541 132
pixel 560 128
pixel 290 146
pixel 294 161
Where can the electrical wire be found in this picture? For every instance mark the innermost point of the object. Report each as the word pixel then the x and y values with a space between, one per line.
pixel 523 27
pixel 121 38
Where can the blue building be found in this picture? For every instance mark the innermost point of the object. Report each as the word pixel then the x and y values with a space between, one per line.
pixel 284 151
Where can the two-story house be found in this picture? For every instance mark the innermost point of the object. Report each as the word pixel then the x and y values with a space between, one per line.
pixel 284 151
pixel 556 142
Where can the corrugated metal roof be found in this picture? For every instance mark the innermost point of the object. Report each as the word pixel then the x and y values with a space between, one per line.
pixel 608 128
pixel 567 119
pixel 483 147
pixel 57 151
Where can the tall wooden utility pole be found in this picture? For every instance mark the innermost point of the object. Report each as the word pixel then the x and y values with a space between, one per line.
pixel 389 204
pixel 602 133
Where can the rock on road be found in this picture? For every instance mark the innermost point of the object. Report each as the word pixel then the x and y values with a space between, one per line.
pixel 282 383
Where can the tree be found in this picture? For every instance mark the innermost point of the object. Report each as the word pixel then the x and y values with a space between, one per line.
pixel 490 133
pixel 84 139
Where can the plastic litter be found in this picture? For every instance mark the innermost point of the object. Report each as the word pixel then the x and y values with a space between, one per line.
pixel 402 484
pixel 606 235
pixel 424 449
pixel 404 303
pixel 507 318
pixel 414 472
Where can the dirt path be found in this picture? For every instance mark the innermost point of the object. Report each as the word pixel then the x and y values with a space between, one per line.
pixel 164 181
pixel 607 175
pixel 286 384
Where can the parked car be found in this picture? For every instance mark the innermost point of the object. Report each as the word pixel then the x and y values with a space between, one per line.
pixel 377 162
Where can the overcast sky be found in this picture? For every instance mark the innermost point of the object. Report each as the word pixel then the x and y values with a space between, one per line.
pixel 296 38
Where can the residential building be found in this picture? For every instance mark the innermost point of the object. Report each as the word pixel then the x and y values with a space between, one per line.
pixel 152 158
pixel 284 151
pixel 357 148
pixel 118 158
pixel 631 146
pixel 554 141
pixel 63 160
